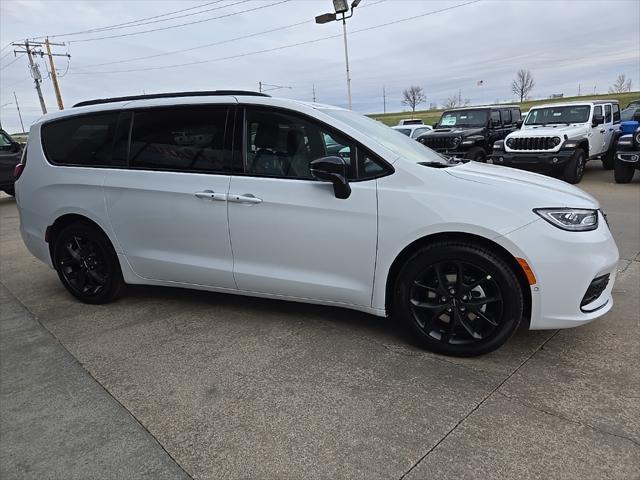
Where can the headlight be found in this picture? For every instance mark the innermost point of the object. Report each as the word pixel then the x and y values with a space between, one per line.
pixel 555 141
pixel 637 138
pixel 510 142
pixel 456 140
pixel 572 219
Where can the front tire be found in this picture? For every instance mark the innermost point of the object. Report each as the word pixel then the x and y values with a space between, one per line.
pixel 87 264
pixel 477 154
pixel 609 158
pixel 574 169
pixel 623 171
pixel 10 191
pixel 458 299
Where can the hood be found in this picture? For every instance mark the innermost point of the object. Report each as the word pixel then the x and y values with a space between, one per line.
pixel 550 131
pixel 542 191
pixel 454 131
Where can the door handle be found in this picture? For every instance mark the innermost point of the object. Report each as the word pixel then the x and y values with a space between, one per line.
pixel 211 195
pixel 602 131
pixel 244 198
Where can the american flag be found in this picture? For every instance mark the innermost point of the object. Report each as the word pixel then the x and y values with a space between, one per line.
pixel 480 83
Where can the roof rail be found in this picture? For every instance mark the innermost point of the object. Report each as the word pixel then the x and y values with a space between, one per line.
pixel 170 95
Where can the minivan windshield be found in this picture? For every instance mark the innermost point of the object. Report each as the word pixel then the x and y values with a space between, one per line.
pixel 464 118
pixel 387 137
pixel 550 115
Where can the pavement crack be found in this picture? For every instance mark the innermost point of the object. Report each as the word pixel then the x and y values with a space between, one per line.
pixel 567 419
pixel 37 319
pixel 482 402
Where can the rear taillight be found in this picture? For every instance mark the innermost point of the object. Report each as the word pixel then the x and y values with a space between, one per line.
pixel 17 171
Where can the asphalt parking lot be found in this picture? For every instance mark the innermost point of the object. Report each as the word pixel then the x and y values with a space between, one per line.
pixel 169 383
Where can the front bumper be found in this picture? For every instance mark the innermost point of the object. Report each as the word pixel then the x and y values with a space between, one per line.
pixel 540 161
pixel 565 265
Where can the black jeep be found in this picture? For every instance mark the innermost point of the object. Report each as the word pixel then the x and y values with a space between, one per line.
pixel 470 132
pixel 627 157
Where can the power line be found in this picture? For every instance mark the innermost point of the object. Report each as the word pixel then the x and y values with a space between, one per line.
pixel 11 62
pixel 220 42
pixel 187 23
pixel 129 23
pixel 281 47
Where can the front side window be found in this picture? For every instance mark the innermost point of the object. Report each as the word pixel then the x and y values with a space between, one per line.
pixel 81 141
pixel 495 118
pixel 597 111
pixel 190 139
pixel 515 115
pixel 283 145
pixel 506 117
pixel 559 115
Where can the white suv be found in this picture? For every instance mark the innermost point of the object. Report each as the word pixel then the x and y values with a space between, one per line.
pixel 563 137
pixel 242 193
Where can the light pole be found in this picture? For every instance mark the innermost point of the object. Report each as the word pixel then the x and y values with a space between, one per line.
pixel 341 7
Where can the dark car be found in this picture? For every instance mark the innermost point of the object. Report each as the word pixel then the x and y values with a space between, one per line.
pixel 627 157
pixel 632 112
pixel 10 153
pixel 470 132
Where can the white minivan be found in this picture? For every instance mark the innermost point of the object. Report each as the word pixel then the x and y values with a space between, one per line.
pixel 243 193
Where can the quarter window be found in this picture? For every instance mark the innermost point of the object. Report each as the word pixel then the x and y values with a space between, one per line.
pixel 190 139
pixel 82 141
pixel 283 145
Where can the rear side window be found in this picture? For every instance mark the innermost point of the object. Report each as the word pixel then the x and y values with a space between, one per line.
pixel 506 117
pixel 84 141
pixel 616 113
pixel 607 113
pixel 189 139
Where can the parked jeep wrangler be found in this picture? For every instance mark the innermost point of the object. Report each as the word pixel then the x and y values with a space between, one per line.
pixel 563 137
pixel 470 132
pixel 627 157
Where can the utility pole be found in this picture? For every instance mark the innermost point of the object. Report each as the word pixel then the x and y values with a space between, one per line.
pixel 54 75
pixel 34 48
pixel 19 114
pixel 35 71
pixel 384 100
pixel 314 93
pixel 579 89
pixel 260 87
pixel 459 97
pixel 346 59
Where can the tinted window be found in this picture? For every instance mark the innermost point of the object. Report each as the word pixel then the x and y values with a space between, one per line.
pixel 495 117
pixel 515 115
pixel 82 141
pixel 607 113
pixel 5 143
pixel 506 117
pixel 180 139
pixel 597 111
pixel 284 145
pixel 616 113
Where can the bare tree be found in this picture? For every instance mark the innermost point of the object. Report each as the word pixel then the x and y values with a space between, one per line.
pixel 455 101
pixel 412 97
pixel 622 85
pixel 523 83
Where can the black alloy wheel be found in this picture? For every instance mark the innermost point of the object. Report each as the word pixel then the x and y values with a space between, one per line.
pixel 87 264
pixel 459 299
pixel 574 169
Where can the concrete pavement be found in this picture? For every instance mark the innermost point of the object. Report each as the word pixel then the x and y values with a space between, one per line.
pixel 235 387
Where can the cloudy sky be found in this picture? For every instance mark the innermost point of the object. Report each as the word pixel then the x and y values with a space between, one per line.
pixel 443 46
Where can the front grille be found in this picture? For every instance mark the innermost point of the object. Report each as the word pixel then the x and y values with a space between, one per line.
pixel 439 143
pixel 595 289
pixel 531 143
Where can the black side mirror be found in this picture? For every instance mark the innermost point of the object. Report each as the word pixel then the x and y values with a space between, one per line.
pixel 597 120
pixel 435 125
pixel 332 169
pixel 519 123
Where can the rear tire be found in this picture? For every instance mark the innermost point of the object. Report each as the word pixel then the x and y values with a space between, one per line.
pixel 574 169
pixel 623 171
pixel 87 264
pixel 477 154
pixel 459 299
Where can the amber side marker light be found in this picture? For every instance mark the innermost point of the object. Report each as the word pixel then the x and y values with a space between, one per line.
pixel 531 278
